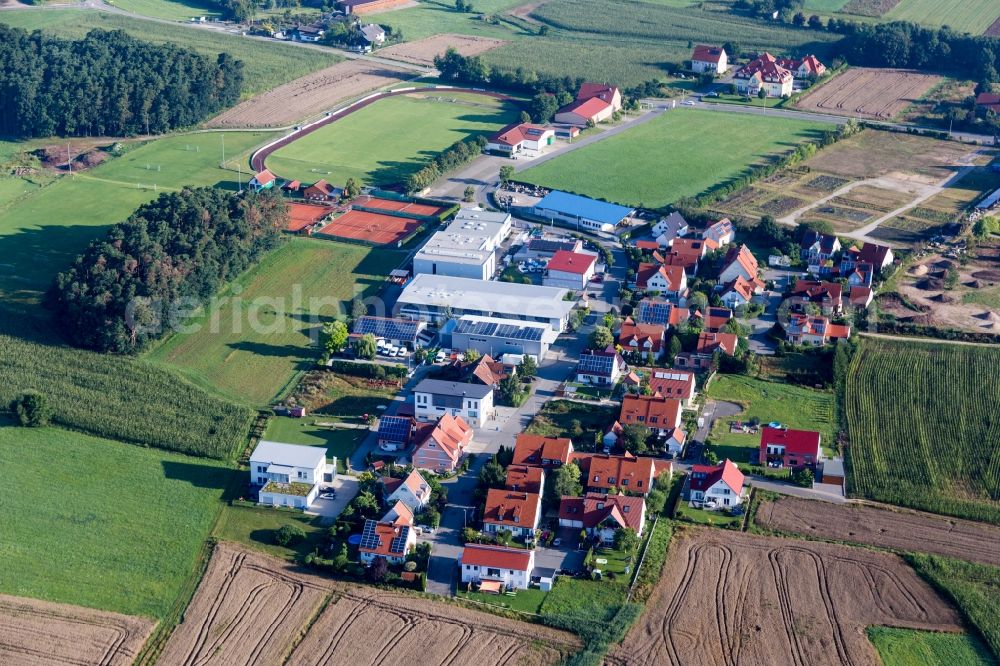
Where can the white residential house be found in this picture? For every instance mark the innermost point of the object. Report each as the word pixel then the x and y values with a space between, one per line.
pixel 709 59
pixel 720 234
pixel 289 474
pixel 414 492
pixel 668 228
pixel 374 34
pixel 434 398
pixel 716 486
pixel 495 566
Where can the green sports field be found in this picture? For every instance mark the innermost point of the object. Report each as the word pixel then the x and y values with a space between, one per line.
pixel 384 143
pixel 97 523
pixel 973 16
pixel 41 233
pixel 679 154
pixel 262 336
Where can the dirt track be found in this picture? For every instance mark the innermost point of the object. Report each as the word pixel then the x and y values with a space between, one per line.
pixel 898 529
pixel 310 95
pixel 730 598
pixel 367 626
pixel 864 92
pixel 39 633
pixel 422 51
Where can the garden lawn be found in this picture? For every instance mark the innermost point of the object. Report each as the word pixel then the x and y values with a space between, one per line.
pixel 263 330
pixel 973 16
pixel 911 647
pixel 527 601
pixel 339 442
pixel 384 143
pixel 266 64
pixel 703 517
pixel 43 232
pixel 792 406
pixel 256 527
pixel 679 154
pixel 171 10
pixel 556 417
pixel 108 525
pixel 595 600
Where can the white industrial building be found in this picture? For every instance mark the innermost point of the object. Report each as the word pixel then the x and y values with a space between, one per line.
pixel 436 298
pixel 467 247
pixel 496 337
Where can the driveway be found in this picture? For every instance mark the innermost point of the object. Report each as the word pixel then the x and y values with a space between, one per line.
pixel 346 488
pixel 446 542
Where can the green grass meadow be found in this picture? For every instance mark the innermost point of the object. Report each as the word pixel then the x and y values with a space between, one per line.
pixel 678 154
pixel 42 232
pixel 911 647
pixel 97 523
pixel 255 342
pixel 390 139
pixel 171 10
pixel 266 64
pixel 973 16
pixel 256 526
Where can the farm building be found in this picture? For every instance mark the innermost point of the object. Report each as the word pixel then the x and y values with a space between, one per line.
pixel 439 297
pixel 496 337
pixel 570 270
pixel 603 514
pixel 399 332
pixel 603 92
pixel 582 112
pixel 763 73
pixel 989 101
pixel 581 212
pixel 521 139
pixel 497 567
pixel 709 59
pixel 785 447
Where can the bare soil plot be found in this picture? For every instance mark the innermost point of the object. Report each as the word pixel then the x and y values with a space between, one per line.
pixel 368 626
pixel 248 609
pixel 873 153
pixel 874 198
pixel 310 95
pixel 897 529
pixel 422 51
pixel 733 598
pixel 37 633
pixel 863 92
pixel 968 305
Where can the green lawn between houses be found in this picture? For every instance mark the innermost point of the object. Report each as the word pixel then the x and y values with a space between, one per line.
pixel 253 344
pixel 97 523
pixel 391 139
pixel 792 406
pixel 911 647
pixel 679 154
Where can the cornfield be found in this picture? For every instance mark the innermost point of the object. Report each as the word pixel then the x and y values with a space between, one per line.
pixel 924 427
pixel 122 398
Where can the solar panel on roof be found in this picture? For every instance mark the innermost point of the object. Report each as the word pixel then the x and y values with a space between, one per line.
pixel 393 329
pixel 654 312
pixel 395 428
pixel 369 538
pixel 596 365
pixel 497 330
pixel 398 544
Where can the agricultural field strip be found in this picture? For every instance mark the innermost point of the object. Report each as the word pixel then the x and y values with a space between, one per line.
pixel 34 632
pixel 879 94
pixel 729 598
pixel 898 529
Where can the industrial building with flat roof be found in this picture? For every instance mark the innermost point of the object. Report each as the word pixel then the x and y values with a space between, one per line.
pixel 495 336
pixel 435 298
pixel 581 212
pixel 467 247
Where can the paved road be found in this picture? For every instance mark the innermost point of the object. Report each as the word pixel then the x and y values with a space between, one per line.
pixel 446 544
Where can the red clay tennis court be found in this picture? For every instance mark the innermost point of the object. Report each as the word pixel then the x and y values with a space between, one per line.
pixel 301 216
pixel 371 227
pixel 398 206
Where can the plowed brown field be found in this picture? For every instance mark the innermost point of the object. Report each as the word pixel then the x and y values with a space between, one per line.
pixel 248 609
pixel 367 626
pixel 422 51
pixel 730 598
pixel 863 92
pixel 310 95
pixel 39 633
pixel 898 529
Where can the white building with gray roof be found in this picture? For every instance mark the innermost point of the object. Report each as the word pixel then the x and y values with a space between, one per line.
pixel 433 398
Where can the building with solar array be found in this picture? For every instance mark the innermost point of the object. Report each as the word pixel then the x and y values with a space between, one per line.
pixel 400 332
pixel 495 337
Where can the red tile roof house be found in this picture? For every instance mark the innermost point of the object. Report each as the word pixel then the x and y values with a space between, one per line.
pixel 764 73
pixel 547 452
pixel 442 450
pixel 659 414
pixel 602 91
pixel 721 233
pixel 603 515
pixel 784 447
pixel 599 473
pixel 521 139
pixel 641 338
pixel 583 111
pixel 740 262
pixel 708 344
pixel 716 319
pixel 392 537
pixel 815 331
pixel 600 367
pixel 668 281
pixel 988 100
pixel 715 486
pixel 494 567
pixel 860 297
pixel 737 292
pixel 804 68
pixel 570 270
pixel 709 59
pixel 516 512
pixel 413 491
pixel 826 295
pixel 677 384
pixel 525 479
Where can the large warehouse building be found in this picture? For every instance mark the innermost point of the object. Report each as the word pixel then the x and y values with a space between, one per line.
pixel 467 247
pixel 581 212
pixel 493 336
pixel 435 298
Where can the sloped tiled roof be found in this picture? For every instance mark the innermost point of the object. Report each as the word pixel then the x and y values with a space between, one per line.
pixel 509 507
pixel 593 509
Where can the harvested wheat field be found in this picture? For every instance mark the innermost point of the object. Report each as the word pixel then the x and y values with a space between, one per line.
pixel 248 609
pixel 422 51
pixel 310 95
pixel 368 626
pixel 898 528
pixel 734 598
pixel 37 633
pixel 865 92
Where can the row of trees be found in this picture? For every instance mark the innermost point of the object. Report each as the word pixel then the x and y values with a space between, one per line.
pixel 171 255
pixel 473 71
pixel 454 156
pixel 107 83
